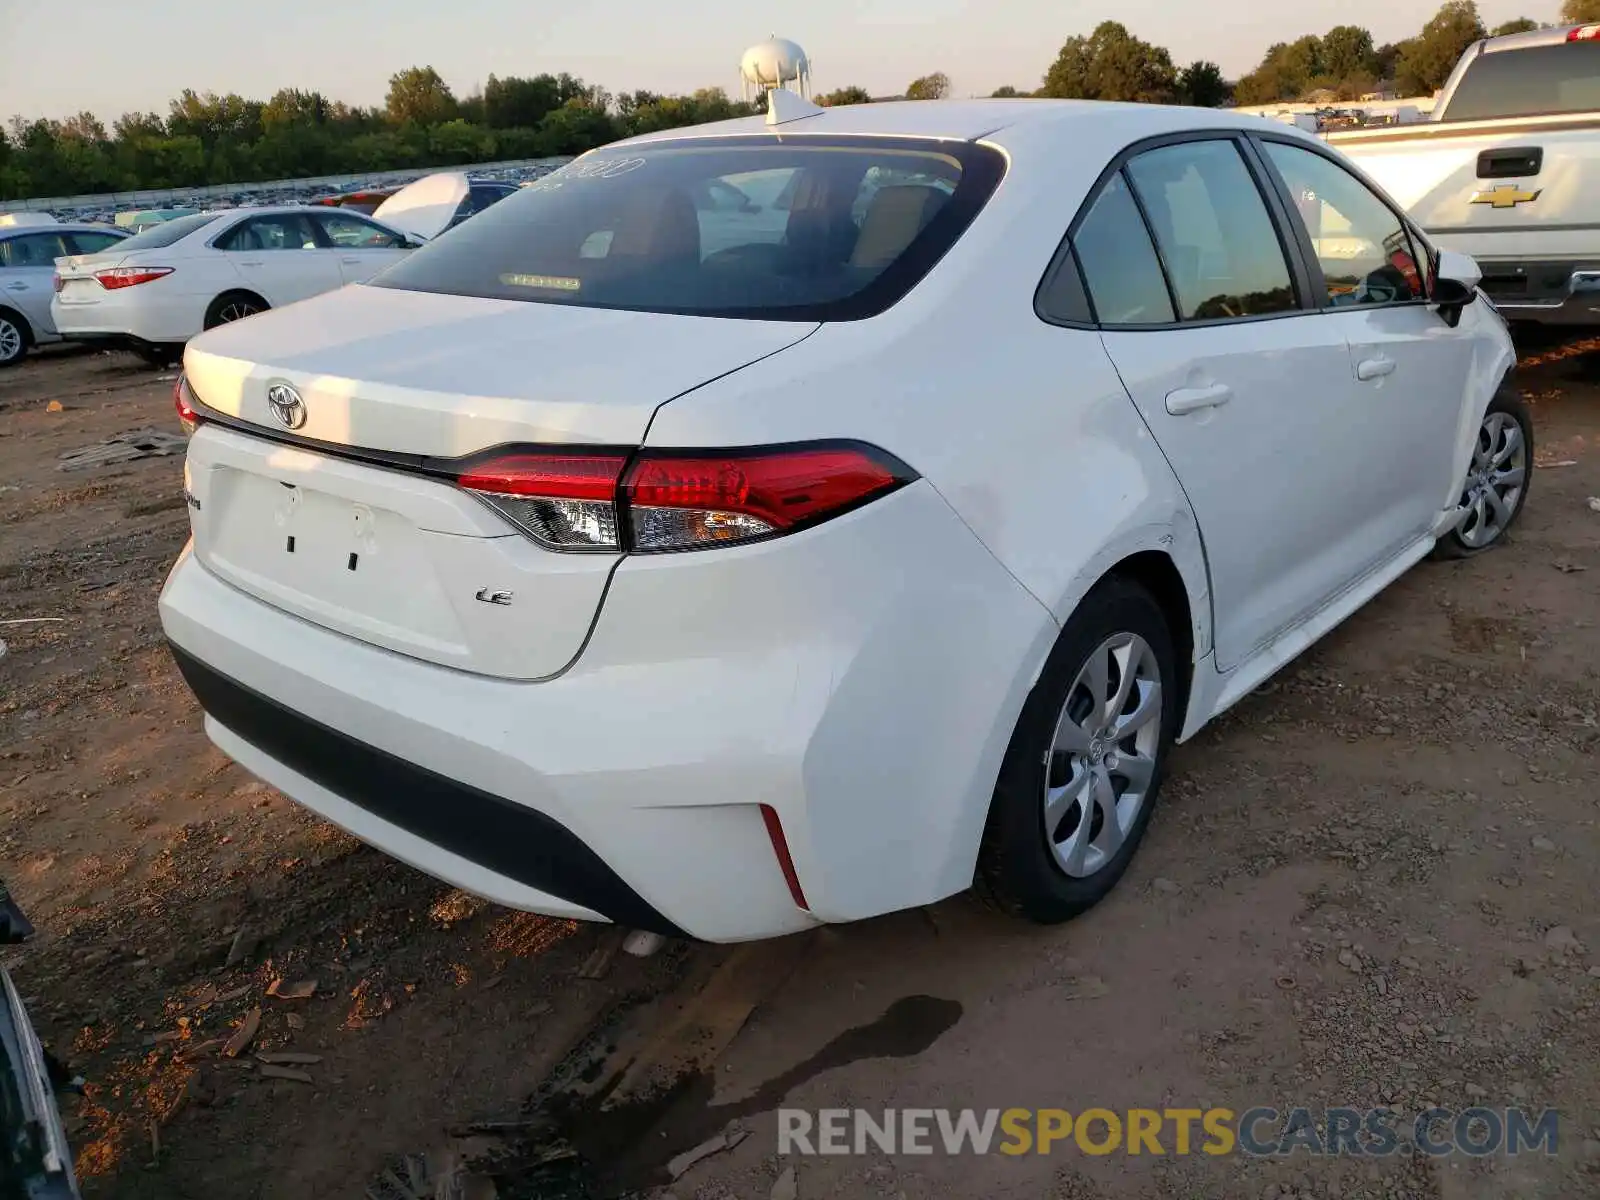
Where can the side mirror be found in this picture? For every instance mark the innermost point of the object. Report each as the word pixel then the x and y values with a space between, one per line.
pixel 1455 284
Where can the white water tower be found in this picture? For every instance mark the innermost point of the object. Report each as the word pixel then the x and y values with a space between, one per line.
pixel 774 64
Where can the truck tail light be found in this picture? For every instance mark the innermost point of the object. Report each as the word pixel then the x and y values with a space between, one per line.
pixel 681 500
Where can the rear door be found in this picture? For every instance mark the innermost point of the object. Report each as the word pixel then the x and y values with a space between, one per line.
pixel 1410 367
pixel 364 247
pixel 1246 388
pixel 27 275
pixel 281 258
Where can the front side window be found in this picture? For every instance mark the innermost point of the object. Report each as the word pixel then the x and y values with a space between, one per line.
pixel 1120 267
pixel 281 231
pixel 795 228
pixel 33 250
pixel 1217 240
pixel 1366 255
pixel 348 232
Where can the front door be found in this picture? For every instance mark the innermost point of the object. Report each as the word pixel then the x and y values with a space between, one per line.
pixel 1245 387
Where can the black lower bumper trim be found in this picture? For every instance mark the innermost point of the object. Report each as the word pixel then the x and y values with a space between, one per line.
pixel 507 838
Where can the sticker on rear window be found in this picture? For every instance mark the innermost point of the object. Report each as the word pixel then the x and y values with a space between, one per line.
pixel 598 168
pixel 555 283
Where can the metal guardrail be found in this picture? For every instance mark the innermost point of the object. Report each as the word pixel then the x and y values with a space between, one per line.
pixel 178 197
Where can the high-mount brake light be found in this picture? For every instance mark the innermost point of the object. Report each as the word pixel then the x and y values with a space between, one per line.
pixel 679 500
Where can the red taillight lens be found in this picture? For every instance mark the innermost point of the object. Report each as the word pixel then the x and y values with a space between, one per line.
pixel 563 501
pixel 183 401
pixel 57 282
pixel 1584 33
pixel 113 278
pixel 679 501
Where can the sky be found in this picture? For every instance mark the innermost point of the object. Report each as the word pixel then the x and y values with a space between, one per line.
pixel 147 51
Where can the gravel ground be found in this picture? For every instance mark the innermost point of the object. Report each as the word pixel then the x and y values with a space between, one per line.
pixel 1372 883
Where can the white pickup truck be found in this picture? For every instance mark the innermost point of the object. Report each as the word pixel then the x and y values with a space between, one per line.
pixel 1507 169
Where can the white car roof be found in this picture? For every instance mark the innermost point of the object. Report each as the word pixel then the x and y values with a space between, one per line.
pixel 971 120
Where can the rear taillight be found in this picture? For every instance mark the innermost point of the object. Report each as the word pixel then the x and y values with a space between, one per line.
pixel 680 500
pixel 183 401
pixel 1583 33
pixel 113 278
pixel 564 501
pixel 57 282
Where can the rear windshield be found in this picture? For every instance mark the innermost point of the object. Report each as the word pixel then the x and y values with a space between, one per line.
pixel 801 229
pixel 167 232
pixel 1563 78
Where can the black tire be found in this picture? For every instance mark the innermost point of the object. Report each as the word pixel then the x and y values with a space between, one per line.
pixel 217 314
pixel 1018 871
pixel 1461 541
pixel 160 357
pixel 16 335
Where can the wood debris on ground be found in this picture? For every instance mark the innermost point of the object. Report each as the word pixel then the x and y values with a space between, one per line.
pixel 244 1035
pixel 302 990
pixel 726 1140
pixel 290 1058
pixel 124 447
pixel 268 1071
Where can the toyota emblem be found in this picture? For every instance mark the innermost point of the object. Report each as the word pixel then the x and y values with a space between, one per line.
pixel 286 405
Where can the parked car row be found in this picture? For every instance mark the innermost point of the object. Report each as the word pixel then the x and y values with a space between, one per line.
pixel 152 291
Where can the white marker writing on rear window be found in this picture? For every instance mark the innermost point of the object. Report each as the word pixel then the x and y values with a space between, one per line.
pixel 586 169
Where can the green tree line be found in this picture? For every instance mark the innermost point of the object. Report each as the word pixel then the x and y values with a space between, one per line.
pixel 212 139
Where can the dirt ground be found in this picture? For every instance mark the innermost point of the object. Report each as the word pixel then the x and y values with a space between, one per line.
pixel 1372 883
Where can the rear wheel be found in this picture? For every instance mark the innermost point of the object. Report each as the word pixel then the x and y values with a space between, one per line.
pixel 233 306
pixel 1082 773
pixel 1496 484
pixel 14 337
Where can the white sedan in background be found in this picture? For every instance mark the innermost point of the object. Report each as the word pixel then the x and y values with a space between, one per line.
pixel 152 293
pixel 725 569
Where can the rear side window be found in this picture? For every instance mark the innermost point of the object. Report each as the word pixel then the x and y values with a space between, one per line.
pixel 1120 267
pixel 281 231
pixel 1217 240
pixel 168 232
pixel 1533 82
pixel 793 229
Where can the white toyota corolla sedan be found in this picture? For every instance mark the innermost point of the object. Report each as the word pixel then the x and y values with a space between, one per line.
pixel 758 525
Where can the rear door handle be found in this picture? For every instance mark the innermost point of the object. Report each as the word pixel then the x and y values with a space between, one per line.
pixel 1372 368
pixel 18 286
pixel 1188 400
pixel 250 262
pixel 350 260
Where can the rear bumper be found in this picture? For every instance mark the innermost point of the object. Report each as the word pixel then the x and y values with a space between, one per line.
pixel 861 679
pixel 1562 293
pixel 151 319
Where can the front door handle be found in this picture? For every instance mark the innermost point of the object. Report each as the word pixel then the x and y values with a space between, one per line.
pixel 18 286
pixel 1374 368
pixel 350 260
pixel 1188 400
pixel 250 262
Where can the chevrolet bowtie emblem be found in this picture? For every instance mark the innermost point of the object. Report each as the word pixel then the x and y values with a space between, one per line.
pixel 1507 195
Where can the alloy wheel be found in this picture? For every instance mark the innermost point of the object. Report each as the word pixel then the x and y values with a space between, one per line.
pixel 1102 757
pixel 236 310
pixel 10 340
pixel 1495 480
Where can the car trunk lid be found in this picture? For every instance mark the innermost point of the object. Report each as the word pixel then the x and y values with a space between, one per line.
pixel 359 527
